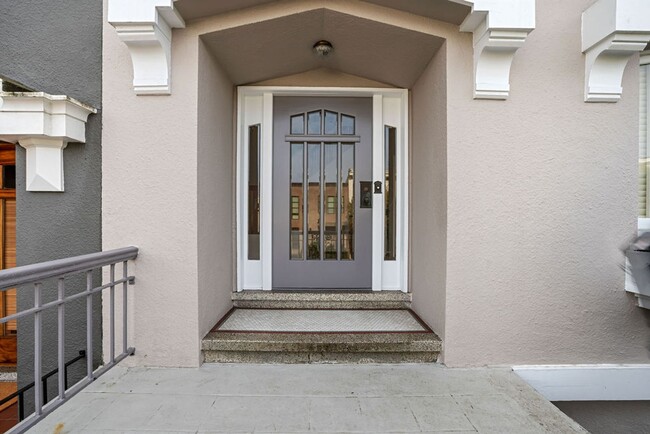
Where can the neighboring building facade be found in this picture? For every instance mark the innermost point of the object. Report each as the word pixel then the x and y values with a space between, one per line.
pixel 55 47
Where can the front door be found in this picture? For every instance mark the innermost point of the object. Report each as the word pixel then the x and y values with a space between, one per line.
pixel 322 198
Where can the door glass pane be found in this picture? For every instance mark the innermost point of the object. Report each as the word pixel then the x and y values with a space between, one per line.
pixel 253 193
pixel 347 201
pixel 313 122
pixel 390 219
pixel 347 124
pixel 331 122
pixel 298 124
pixel 296 202
pixel 331 170
pixel 313 201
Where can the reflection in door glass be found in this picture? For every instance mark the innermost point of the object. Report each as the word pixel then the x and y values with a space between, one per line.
pixel 347 201
pixel 390 223
pixel 331 122
pixel 330 169
pixel 253 192
pixel 313 122
pixel 296 194
pixel 347 124
pixel 313 200
pixel 298 124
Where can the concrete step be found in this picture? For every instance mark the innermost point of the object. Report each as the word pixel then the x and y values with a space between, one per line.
pixel 321 336
pixel 245 347
pixel 322 299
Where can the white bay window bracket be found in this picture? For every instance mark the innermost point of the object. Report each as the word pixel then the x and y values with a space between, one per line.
pixel 612 32
pixel 500 28
pixel 44 125
pixel 145 26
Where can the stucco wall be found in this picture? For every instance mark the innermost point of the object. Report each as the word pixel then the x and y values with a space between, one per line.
pixel 541 196
pixel 55 47
pixel 216 205
pixel 428 207
pixel 607 417
pixel 149 199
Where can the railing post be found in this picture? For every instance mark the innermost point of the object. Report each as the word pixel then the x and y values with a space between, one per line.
pixel 38 322
pixel 61 340
pixel 125 274
pixel 89 325
pixel 112 316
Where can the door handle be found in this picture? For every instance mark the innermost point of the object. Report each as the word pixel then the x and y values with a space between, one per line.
pixel 365 201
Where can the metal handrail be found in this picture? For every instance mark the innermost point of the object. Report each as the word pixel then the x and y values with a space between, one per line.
pixel 61 269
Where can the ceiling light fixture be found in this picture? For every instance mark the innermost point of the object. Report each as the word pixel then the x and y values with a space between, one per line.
pixel 323 48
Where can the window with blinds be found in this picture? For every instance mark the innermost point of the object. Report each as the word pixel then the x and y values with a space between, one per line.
pixel 644 142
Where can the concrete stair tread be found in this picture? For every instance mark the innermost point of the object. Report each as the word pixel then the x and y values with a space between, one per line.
pixel 322 299
pixel 320 347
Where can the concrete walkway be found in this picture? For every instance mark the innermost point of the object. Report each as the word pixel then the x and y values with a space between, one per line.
pixel 309 398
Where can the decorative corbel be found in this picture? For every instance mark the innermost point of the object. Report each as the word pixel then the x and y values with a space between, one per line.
pixel 612 32
pixel 43 124
pixel 145 26
pixel 500 28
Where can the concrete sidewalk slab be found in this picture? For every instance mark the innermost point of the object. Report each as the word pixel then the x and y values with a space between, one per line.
pixel 309 398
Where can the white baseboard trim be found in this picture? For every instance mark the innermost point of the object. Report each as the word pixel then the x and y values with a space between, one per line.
pixel 588 382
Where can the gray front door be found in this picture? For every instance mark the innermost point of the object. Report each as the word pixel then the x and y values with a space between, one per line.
pixel 322 228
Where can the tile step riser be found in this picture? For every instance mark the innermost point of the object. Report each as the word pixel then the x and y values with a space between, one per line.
pixel 318 357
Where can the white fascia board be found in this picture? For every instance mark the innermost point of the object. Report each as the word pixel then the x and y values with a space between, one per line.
pixel 43 124
pixel 500 28
pixel 145 26
pixel 588 382
pixel 612 32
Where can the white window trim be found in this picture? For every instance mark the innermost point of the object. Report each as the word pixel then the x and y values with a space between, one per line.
pixel 255 106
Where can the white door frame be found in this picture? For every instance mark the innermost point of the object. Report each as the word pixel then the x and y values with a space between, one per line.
pixel 255 107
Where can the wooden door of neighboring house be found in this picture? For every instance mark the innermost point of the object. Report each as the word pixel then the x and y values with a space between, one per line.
pixel 8 331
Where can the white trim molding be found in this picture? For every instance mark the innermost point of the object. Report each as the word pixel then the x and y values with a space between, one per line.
pixel 612 32
pixel 145 26
pixel 500 28
pixel 43 124
pixel 588 382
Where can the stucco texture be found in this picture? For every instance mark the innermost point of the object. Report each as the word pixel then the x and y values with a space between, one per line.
pixel 55 47
pixel 522 205
pixel 541 197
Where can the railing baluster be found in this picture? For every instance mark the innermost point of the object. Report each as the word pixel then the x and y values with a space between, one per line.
pixel 89 325
pixel 38 323
pixel 125 275
pixel 61 340
pixel 21 406
pixel 112 316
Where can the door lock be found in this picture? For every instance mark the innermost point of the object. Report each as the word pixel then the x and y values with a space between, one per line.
pixel 365 201
pixel 377 187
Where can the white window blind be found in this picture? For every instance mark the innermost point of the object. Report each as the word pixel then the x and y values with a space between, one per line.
pixel 644 141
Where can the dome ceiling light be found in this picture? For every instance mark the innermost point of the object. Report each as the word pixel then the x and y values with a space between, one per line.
pixel 322 48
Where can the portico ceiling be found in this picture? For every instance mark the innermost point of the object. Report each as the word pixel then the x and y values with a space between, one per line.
pixel 442 10
pixel 283 46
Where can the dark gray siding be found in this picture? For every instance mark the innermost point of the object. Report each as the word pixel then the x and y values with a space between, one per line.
pixel 55 47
